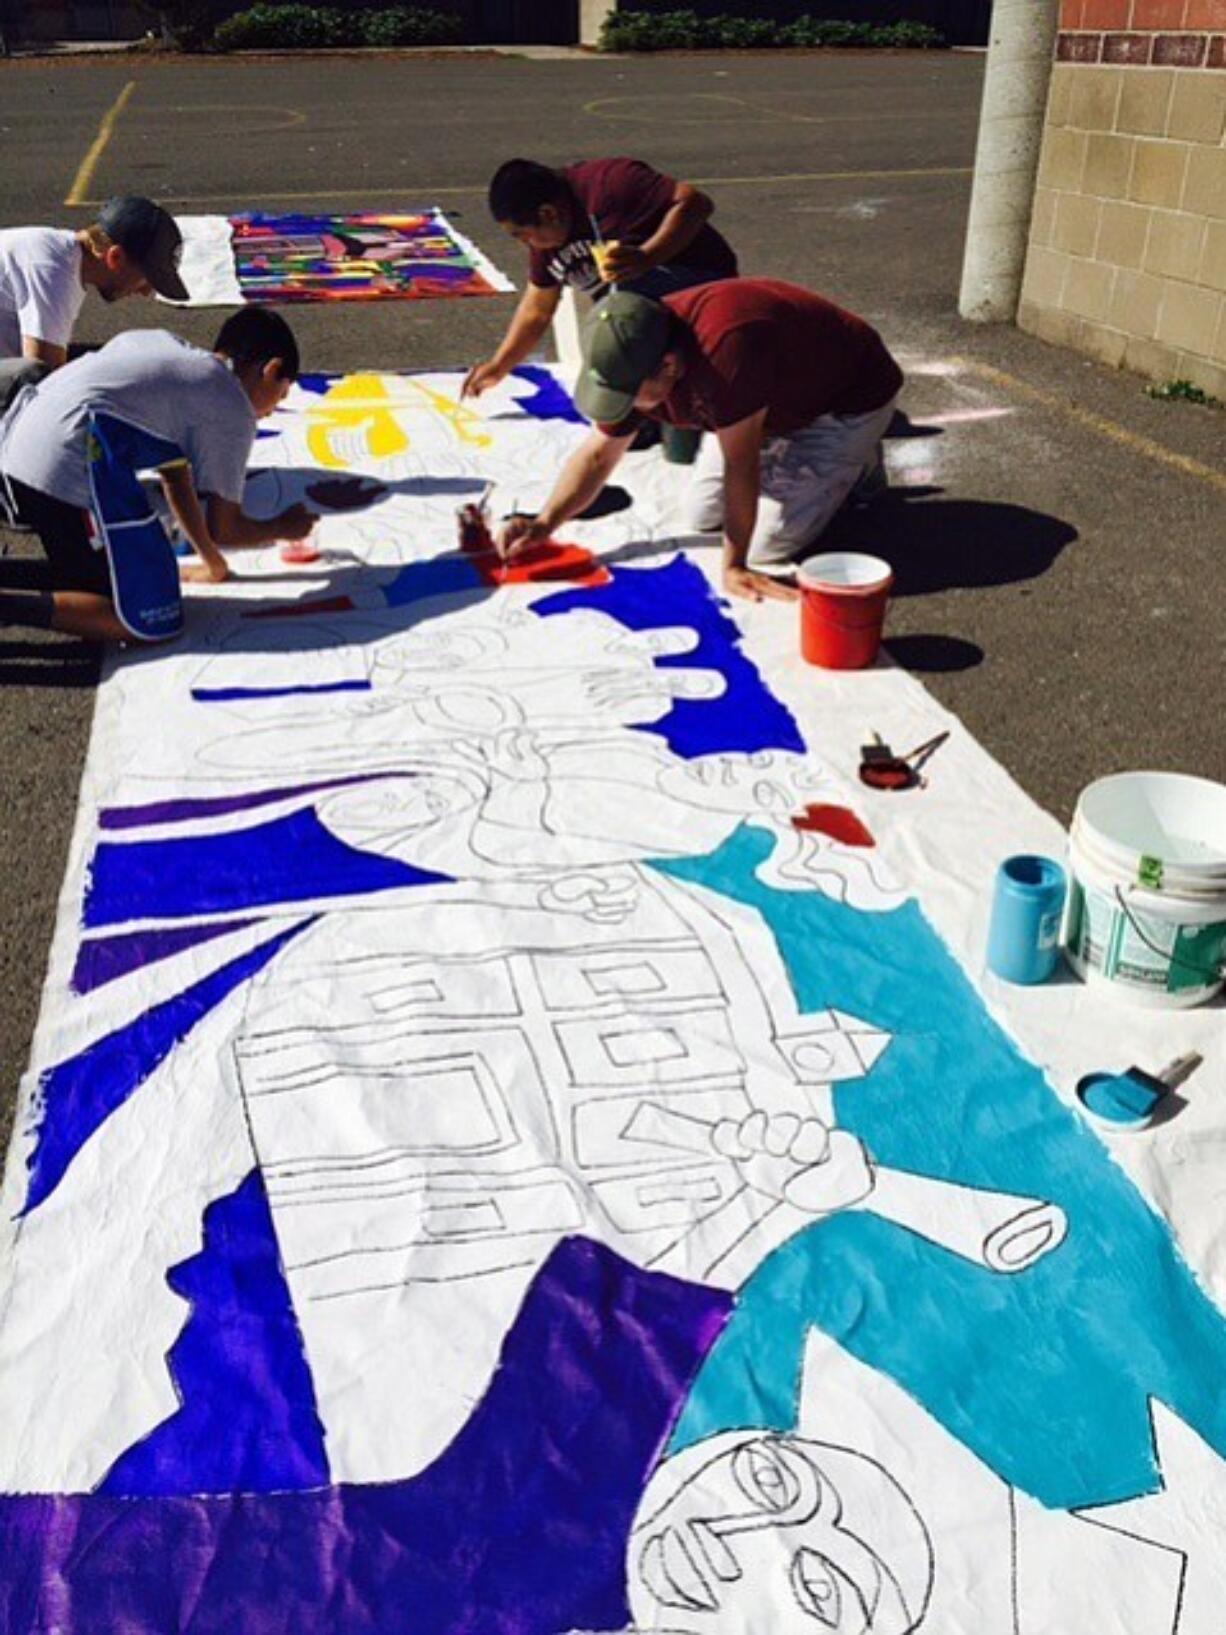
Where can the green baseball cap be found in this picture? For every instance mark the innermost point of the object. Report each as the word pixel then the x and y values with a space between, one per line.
pixel 624 338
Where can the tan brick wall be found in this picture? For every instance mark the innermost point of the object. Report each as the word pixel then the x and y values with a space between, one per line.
pixel 1127 257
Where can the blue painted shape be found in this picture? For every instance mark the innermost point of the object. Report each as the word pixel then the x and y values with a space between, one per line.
pixel 746 717
pixel 248 1420
pixel 318 384
pixel 227 695
pixel 441 576
pixel 79 1094
pixel 549 400
pixel 289 859
pixel 1045 1374
pixel 190 807
pixel 520 1527
pixel 105 959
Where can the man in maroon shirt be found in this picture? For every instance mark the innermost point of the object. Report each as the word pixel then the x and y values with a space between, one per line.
pixel 797 391
pixel 596 225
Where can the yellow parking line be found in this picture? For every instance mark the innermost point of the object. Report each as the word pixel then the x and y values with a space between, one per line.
pixel 78 193
pixel 1096 422
pixel 404 191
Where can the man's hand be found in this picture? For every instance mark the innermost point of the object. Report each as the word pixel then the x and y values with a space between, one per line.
pixel 620 263
pixel 518 534
pixel 800 1161
pixel 481 377
pixel 204 573
pixel 296 523
pixel 757 587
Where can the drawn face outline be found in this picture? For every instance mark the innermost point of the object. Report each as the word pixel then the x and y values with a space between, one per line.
pixel 833 1576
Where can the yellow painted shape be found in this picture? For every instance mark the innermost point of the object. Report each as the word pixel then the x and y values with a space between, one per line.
pixel 462 420
pixel 356 403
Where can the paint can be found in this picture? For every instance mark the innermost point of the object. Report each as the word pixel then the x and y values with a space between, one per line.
pixel 843 598
pixel 1147 904
pixel 298 552
pixel 1027 908
pixel 680 444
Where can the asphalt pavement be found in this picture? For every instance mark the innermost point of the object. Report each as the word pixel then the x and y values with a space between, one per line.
pixel 1057 535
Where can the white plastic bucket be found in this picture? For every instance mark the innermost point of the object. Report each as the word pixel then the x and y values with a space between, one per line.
pixel 1147 899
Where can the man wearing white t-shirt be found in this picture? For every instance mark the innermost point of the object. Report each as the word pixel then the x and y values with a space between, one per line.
pixel 132 249
pixel 72 448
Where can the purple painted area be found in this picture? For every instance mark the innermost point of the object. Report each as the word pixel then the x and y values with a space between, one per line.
pixel 81 1093
pixel 550 400
pixel 105 959
pixel 290 859
pixel 224 695
pixel 519 1528
pixel 181 811
pixel 248 1421
pixel 747 716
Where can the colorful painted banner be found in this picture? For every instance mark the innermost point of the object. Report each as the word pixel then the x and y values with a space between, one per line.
pixel 517 1142
pixel 368 256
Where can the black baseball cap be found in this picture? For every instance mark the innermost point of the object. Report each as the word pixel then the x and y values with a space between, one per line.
pixel 624 340
pixel 151 236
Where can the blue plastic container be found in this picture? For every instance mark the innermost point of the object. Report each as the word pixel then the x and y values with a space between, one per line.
pixel 1024 939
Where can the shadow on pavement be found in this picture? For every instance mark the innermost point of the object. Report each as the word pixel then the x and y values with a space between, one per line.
pixel 932 655
pixel 938 544
pixel 56 662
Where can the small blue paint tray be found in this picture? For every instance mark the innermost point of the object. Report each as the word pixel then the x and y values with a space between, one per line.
pixel 1129 1100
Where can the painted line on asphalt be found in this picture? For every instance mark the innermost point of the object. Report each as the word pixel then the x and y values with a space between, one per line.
pixel 1133 440
pixel 78 193
pixel 404 191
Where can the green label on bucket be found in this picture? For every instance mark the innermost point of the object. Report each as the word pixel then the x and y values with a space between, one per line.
pixel 1149 873
pixel 1198 957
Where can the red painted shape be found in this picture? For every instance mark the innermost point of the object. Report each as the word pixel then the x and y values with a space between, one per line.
pixel 839 822
pixel 542 564
pixel 294 610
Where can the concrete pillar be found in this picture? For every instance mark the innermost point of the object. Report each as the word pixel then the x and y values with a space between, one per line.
pixel 591 14
pixel 1007 158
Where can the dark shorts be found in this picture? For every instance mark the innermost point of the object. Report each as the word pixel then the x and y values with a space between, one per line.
pixel 64 532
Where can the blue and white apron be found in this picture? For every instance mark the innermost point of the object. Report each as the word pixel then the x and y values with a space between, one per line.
pixel 143 567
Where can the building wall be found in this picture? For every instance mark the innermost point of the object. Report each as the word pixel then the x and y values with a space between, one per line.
pixel 1127 257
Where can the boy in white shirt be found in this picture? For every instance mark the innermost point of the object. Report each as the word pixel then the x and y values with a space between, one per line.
pixel 132 249
pixel 71 449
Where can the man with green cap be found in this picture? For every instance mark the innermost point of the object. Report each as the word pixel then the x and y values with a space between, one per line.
pixel 797 391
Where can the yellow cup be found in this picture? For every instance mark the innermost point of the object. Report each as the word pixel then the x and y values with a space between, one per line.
pixel 600 254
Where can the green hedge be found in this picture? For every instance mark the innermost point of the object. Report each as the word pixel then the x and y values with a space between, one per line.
pixel 303 28
pixel 687 31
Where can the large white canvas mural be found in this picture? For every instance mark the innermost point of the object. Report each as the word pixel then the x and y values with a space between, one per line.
pixel 505 1151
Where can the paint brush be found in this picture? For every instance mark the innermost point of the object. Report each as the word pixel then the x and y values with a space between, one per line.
pixel 1129 1100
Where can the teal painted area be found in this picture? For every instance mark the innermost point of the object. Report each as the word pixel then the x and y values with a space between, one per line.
pixel 1045 1374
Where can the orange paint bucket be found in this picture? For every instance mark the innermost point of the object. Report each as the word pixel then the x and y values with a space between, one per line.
pixel 843 598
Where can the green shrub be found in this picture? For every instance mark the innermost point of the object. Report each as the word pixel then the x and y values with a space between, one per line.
pixel 911 36
pixel 1183 391
pixel 292 27
pixel 686 31
pixel 651 31
pixel 287 28
pixel 400 25
pixel 741 33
